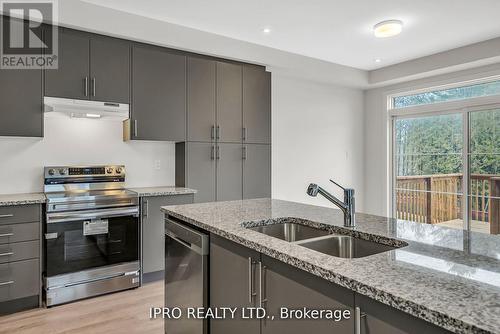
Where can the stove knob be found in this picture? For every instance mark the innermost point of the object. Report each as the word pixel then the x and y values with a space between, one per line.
pixel 119 170
pixel 109 170
pixel 62 171
pixel 52 172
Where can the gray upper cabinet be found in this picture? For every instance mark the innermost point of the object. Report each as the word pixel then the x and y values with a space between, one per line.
pixel 234 283
pixel 256 171
pixel 285 286
pixel 109 70
pixel 201 88
pixel 90 67
pixel 200 170
pixel 21 108
pixel 229 171
pixel 256 105
pixel 158 95
pixel 71 78
pixel 229 116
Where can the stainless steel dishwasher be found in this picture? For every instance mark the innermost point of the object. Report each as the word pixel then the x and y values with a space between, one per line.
pixel 186 279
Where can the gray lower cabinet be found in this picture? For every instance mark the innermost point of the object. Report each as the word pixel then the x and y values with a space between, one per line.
pixel 229 115
pixel 256 171
pixel 233 283
pixel 20 249
pixel 293 289
pixel 378 318
pixel 158 95
pixel 153 243
pixel 201 104
pixel 256 104
pixel 229 171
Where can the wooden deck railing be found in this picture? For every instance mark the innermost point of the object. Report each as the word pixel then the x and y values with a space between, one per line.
pixel 437 198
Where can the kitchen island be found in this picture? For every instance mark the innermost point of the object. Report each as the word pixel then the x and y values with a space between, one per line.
pixel 447 278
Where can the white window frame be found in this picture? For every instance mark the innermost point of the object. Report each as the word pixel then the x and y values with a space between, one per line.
pixel 462 106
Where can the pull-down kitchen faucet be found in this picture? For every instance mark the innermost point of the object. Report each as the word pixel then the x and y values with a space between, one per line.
pixel 347 206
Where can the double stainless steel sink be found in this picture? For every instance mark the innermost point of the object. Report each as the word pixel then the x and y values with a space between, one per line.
pixel 339 245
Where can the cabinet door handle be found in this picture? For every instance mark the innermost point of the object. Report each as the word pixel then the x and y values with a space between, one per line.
pixel 212 152
pixel 50 236
pixel 357 319
pixel 6 235
pixel 145 208
pixel 86 86
pixel 7 215
pixel 6 283
pixel 244 133
pixel 262 282
pixel 212 132
pixel 250 280
pixel 244 157
pixel 135 128
pixel 218 152
pixel 93 86
pixel 217 132
pixel 7 254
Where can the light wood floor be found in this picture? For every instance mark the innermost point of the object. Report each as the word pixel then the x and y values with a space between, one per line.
pixel 123 312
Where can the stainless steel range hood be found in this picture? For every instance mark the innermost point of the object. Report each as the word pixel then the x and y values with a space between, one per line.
pixel 86 108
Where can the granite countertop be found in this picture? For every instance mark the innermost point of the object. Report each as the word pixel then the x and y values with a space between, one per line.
pixel 445 276
pixel 162 191
pixel 22 199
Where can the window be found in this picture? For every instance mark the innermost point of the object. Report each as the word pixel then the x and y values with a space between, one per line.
pixel 447 163
pixel 450 94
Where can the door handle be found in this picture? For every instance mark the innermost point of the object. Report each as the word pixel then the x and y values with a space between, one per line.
pixel 135 128
pixel 212 132
pixel 212 152
pixel 244 157
pixel 262 282
pixel 49 236
pixel 6 283
pixel 7 254
pixel 6 235
pixel 244 133
pixel 93 86
pixel 86 86
pixel 251 284
pixel 7 215
pixel 145 208
pixel 218 152
pixel 357 319
pixel 217 132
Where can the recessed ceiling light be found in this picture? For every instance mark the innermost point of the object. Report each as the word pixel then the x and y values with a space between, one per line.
pixel 378 60
pixel 388 28
pixel 89 115
pixel 266 30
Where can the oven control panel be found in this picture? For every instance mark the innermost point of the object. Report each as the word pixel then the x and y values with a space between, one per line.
pixel 83 171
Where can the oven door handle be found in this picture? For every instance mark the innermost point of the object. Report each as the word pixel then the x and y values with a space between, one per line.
pixel 61 217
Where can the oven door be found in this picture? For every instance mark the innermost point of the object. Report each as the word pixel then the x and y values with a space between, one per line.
pixel 80 240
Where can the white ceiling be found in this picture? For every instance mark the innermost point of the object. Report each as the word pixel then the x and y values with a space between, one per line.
pixel 333 30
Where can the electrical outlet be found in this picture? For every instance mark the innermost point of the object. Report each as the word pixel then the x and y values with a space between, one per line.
pixel 157 164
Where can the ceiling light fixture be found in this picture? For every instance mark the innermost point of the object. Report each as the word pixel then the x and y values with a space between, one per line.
pixel 378 60
pixel 88 115
pixel 388 28
pixel 266 30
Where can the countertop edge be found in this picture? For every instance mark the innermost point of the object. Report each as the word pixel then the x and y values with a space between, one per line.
pixel 157 191
pixel 432 316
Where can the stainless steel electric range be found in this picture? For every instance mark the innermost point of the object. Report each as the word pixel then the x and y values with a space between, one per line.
pixel 91 233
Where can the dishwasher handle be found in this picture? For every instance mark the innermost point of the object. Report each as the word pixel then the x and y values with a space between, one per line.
pixel 188 237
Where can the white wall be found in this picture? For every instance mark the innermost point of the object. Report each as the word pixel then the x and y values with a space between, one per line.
pixel 376 160
pixel 317 135
pixel 82 141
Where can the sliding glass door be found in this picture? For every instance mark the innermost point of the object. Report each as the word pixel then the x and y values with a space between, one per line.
pixel 447 169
